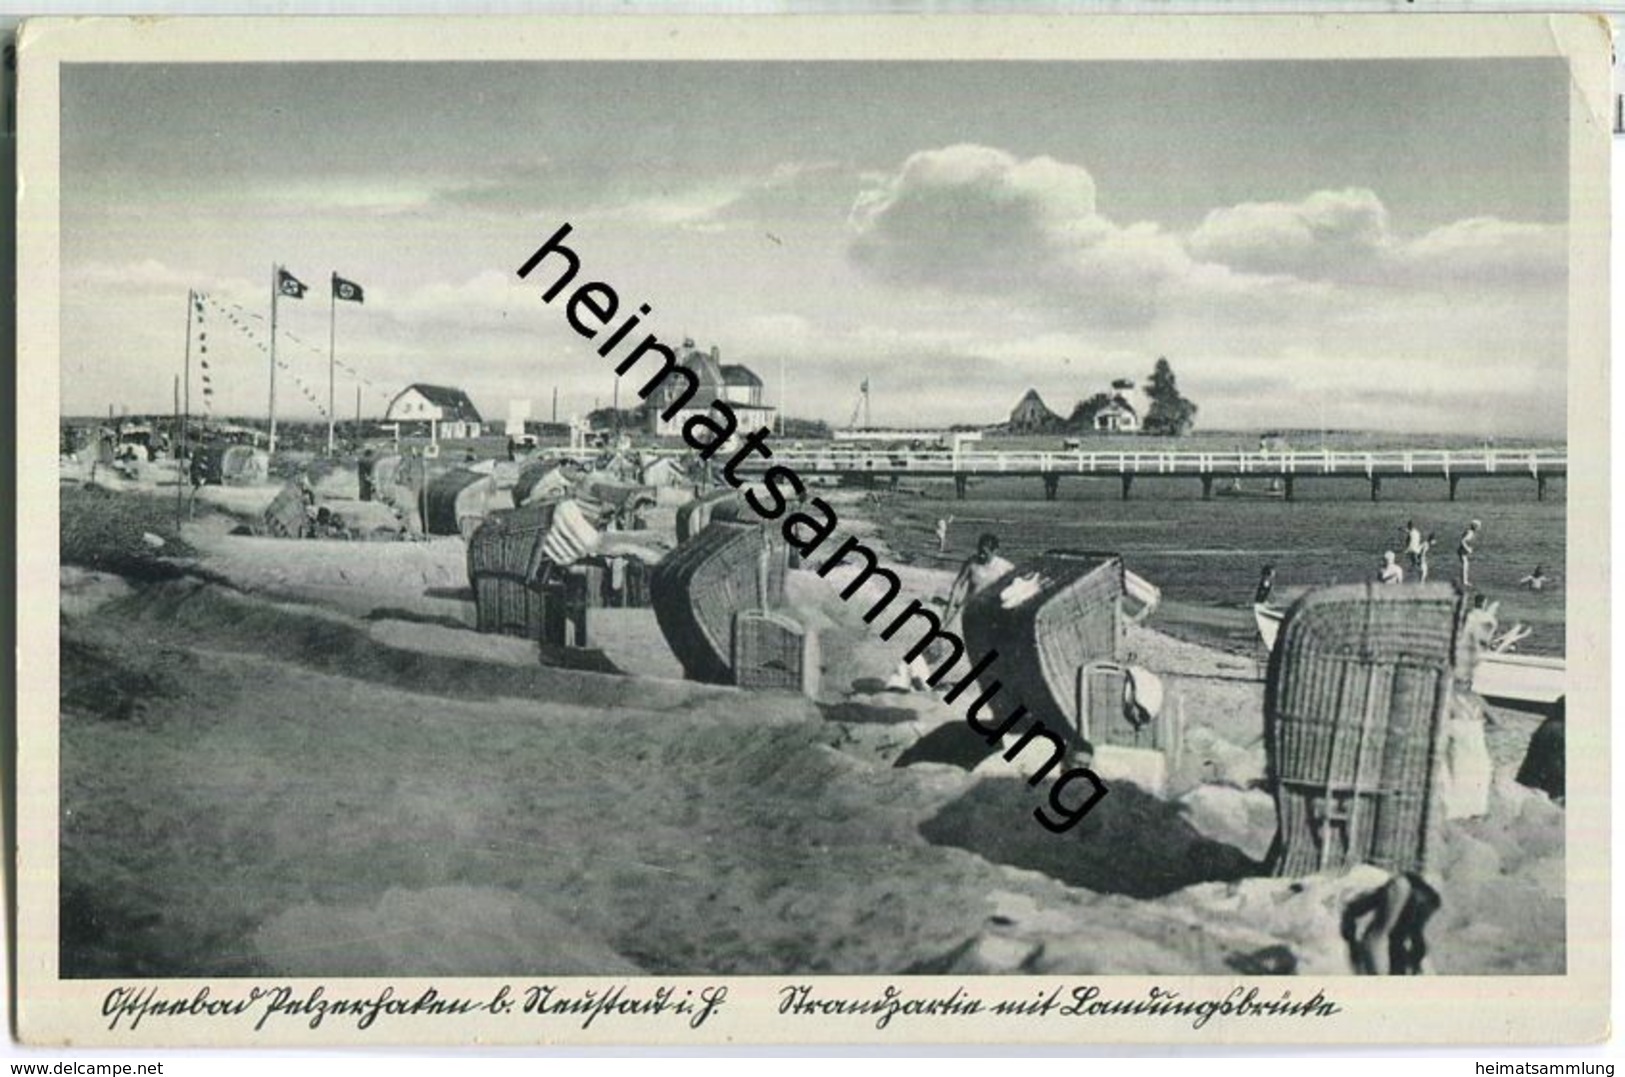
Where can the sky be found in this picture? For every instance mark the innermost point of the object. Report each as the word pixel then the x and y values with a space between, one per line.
pixel 1344 244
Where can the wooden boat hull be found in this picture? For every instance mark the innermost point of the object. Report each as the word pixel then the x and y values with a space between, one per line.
pixel 1532 683
pixel 1071 618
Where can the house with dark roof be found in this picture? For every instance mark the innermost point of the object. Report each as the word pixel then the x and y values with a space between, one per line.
pixel 737 385
pixel 1118 415
pixel 445 412
pixel 1031 415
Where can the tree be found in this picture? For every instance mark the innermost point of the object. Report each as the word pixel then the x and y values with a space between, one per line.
pixel 1170 413
pixel 628 419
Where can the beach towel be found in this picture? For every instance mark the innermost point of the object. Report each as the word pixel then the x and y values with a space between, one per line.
pixel 571 536
pixel 1464 784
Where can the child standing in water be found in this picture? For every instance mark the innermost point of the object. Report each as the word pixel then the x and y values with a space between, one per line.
pixel 1422 558
pixel 1464 552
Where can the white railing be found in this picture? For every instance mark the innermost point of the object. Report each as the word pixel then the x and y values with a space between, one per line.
pixel 1431 462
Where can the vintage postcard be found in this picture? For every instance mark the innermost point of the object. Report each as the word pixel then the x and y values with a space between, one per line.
pixel 813 530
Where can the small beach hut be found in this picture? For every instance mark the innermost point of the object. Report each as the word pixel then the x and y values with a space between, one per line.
pixel 698 587
pixel 1360 684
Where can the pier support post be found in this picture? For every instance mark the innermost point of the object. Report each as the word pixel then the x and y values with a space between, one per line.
pixel 1128 484
pixel 1207 487
pixel 1376 488
pixel 1052 485
pixel 1287 484
pixel 961 484
pixel 1540 487
pixel 1454 479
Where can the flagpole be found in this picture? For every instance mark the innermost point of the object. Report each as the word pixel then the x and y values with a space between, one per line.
pixel 332 333
pixel 178 483
pixel 186 415
pixel 183 449
pixel 271 447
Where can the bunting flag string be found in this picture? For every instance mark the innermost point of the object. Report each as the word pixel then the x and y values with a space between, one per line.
pixel 244 322
pixel 238 316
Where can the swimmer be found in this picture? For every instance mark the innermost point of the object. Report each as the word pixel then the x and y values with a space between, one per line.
pixel 1390 572
pixel 1536 580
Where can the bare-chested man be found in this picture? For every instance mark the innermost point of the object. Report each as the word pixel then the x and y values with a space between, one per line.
pixel 981 569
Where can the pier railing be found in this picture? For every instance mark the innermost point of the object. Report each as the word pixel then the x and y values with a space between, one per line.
pixel 838 459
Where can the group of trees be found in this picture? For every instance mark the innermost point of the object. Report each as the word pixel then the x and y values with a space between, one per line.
pixel 1169 412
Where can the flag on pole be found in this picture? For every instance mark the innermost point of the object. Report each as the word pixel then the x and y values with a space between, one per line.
pixel 347 290
pixel 289 285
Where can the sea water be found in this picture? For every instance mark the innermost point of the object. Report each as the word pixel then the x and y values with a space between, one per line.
pixel 1206 555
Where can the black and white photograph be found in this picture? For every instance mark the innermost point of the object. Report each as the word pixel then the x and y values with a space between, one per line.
pixel 1083 517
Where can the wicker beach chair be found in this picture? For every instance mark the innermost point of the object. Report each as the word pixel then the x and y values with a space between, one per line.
pixel 1070 618
pixel 505 566
pixel 454 495
pixel 1112 709
pixel 698 587
pixel 241 465
pixel 771 649
pixel 1360 684
pixel 539 480
pixel 285 516
pixel 693 517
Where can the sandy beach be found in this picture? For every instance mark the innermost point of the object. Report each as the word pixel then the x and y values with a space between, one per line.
pixel 297 758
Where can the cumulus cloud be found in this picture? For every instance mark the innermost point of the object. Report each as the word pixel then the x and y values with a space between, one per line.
pixel 978 221
pixel 1320 236
pixel 1488 251
pixel 1346 236
pixel 975 219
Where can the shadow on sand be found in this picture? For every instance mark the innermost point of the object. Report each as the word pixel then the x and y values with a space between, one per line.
pixel 1131 843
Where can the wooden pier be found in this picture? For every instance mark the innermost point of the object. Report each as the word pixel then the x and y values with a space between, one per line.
pixel 1249 474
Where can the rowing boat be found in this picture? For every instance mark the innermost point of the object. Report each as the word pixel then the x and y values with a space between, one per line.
pixel 1534 683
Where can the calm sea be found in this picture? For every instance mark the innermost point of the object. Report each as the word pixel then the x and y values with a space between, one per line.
pixel 1206 555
